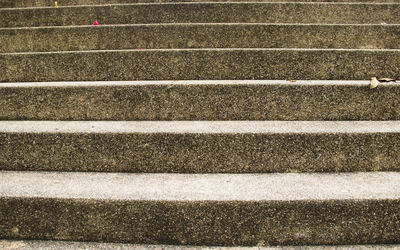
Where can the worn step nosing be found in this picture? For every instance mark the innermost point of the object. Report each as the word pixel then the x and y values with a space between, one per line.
pixel 139 50
pixel 204 187
pixel 240 24
pixel 202 127
pixel 339 83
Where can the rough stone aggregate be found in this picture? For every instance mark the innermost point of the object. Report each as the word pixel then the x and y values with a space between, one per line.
pixel 172 36
pixel 203 13
pixel 200 64
pixel 200 100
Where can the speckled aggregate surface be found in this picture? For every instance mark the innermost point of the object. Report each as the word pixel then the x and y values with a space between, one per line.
pixel 203 13
pixel 229 210
pixel 189 183
pixel 207 223
pixel 200 147
pixel 170 36
pixel 200 64
pixel 200 100
pixel 38 3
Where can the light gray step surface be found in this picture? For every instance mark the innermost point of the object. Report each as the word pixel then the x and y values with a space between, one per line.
pixel 200 146
pixel 44 3
pixel 200 64
pixel 238 12
pixel 213 210
pixel 73 245
pixel 200 100
pixel 170 36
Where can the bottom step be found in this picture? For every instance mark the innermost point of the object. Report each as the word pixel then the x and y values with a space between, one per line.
pixel 65 245
pixel 205 209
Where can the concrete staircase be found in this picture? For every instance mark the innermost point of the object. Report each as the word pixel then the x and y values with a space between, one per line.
pixel 198 123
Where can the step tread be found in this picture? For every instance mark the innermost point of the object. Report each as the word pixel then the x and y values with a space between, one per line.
pixel 27 3
pixel 67 245
pixel 338 83
pixel 201 127
pixel 199 35
pixel 255 12
pixel 200 64
pixel 202 187
pixel 200 100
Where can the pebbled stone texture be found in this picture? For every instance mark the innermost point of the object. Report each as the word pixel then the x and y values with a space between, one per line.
pixel 174 152
pixel 200 64
pixel 42 3
pixel 203 13
pixel 210 223
pixel 201 100
pixel 170 36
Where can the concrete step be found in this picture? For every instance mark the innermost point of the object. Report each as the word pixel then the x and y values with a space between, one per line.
pixel 272 12
pixel 200 100
pixel 71 245
pixel 200 64
pixel 42 3
pixel 214 210
pixel 170 36
pixel 200 146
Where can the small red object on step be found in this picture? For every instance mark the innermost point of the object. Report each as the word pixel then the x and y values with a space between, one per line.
pixel 95 23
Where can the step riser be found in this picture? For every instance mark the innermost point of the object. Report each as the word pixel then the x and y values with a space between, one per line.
pixel 203 13
pixel 202 101
pixel 199 65
pixel 199 36
pixel 38 3
pixel 202 223
pixel 200 153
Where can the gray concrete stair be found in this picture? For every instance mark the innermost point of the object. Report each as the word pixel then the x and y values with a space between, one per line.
pixel 192 123
pixel 172 36
pixel 200 100
pixel 242 12
pixel 230 210
pixel 200 64
pixel 200 147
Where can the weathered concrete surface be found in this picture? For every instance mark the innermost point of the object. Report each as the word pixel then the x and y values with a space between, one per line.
pixel 68 245
pixel 200 100
pixel 203 13
pixel 200 64
pixel 201 187
pixel 200 147
pixel 170 36
pixel 42 3
pixel 230 210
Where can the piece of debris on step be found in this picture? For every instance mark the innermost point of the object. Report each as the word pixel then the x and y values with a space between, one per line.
pixel 95 23
pixel 290 80
pixel 55 4
pixel 374 83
